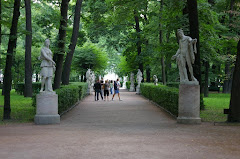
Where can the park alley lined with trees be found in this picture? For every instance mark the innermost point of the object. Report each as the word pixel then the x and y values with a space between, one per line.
pixel 120 36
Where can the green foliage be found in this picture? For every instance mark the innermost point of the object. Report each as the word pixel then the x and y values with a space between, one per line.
pixel 90 56
pixel 166 97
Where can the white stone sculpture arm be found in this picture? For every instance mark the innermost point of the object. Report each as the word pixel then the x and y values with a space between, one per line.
pixel 175 56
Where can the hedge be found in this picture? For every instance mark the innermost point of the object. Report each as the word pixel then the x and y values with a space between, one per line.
pixel 166 97
pixel 68 95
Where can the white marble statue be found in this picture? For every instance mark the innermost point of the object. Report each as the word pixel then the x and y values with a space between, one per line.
pixel 88 77
pixel 185 54
pixel 139 77
pixel 47 67
pixel 155 80
pixel 132 86
pixel 139 80
pixel 124 82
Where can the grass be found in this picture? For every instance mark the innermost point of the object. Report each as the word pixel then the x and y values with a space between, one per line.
pixel 214 105
pixel 22 110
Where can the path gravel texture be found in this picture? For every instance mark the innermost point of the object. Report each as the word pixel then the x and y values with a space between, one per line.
pixel 130 129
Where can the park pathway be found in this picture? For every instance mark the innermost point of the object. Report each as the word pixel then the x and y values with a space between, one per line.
pixel 130 129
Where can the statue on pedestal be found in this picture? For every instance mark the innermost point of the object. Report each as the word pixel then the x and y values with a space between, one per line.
pixel 132 86
pixel 139 80
pixel 89 79
pixel 47 100
pixel 155 80
pixel 139 77
pixel 185 54
pixel 48 67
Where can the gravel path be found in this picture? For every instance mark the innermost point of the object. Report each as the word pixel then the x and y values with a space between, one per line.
pixel 129 129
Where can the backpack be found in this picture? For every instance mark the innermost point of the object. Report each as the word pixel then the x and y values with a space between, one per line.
pixel 115 86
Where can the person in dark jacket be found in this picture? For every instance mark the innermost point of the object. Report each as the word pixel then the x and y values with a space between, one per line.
pixel 97 87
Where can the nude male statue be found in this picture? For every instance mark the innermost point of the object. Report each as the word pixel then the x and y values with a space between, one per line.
pixel 48 67
pixel 185 54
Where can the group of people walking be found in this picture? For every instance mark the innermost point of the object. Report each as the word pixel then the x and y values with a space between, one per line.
pixel 107 88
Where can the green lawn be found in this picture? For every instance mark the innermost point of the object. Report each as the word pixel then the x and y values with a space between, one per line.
pixel 22 109
pixel 214 105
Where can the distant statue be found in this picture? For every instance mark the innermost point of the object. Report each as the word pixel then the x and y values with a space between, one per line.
pixel 89 77
pixel 132 86
pixel 93 78
pixel 185 54
pixel 155 80
pixel 139 77
pixel 48 67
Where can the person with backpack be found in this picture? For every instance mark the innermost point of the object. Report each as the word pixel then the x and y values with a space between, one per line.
pixel 116 86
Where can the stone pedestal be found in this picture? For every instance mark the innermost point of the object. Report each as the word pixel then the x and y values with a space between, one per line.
pixel 138 91
pixel 189 104
pixel 132 89
pixel 47 109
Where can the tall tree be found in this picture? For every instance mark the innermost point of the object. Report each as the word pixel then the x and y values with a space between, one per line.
pixel 68 60
pixel 234 113
pixel 194 33
pixel 160 42
pixel 28 51
pixel 139 47
pixel 7 81
pixel 61 44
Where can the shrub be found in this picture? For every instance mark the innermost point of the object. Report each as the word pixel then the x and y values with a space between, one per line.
pixel 166 97
pixel 68 95
pixel 1 86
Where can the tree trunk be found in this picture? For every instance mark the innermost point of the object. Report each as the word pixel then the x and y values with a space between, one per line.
pixel 37 78
pixel 206 79
pixel 7 80
pixel 160 42
pixel 0 30
pixel 212 2
pixel 139 47
pixel 148 73
pixel 28 47
pixel 228 79
pixel 194 33
pixel 61 44
pixel 234 113
pixel 68 61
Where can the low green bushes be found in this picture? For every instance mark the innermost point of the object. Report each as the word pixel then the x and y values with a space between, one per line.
pixel 68 95
pixel 166 97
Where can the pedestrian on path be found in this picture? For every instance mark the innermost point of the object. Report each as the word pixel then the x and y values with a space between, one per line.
pixel 116 86
pixel 111 87
pixel 97 87
pixel 106 90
